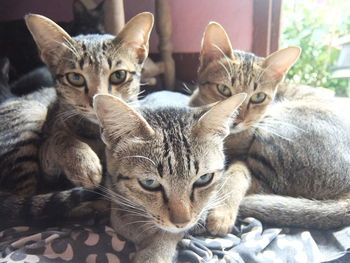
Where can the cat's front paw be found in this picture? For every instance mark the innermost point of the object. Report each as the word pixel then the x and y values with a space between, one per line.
pixel 221 220
pixel 83 168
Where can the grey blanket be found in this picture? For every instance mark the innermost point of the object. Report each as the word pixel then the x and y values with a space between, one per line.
pixel 250 242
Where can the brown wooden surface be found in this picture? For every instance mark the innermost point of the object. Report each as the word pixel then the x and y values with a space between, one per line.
pixel 114 16
pixel 164 28
pixel 275 25
pixel 261 27
pixel 266 26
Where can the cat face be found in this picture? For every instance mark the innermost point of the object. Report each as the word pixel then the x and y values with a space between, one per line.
pixel 224 72
pixel 165 164
pixel 91 64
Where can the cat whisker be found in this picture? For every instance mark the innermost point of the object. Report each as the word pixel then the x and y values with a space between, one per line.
pixel 274 122
pixel 227 59
pixel 186 88
pixel 150 227
pixel 118 199
pixel 141 157
pixel 272 78
pixel 226 70
pixel 138 222
pixel 67 44
pixel 270 130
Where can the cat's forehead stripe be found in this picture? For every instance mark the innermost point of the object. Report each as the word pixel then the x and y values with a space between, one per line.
pixel 176 146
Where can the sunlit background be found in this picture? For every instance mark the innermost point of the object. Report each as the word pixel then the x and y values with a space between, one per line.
pixel 322 29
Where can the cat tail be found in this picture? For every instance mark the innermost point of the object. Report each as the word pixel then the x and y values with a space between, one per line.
pixel 296 212
pixel 49 209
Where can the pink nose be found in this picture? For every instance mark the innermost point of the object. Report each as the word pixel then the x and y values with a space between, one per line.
pixel 238 120
pixel 180 221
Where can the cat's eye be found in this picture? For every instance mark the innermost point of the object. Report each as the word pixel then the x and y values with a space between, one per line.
pixel 75 79
pixel 204 180
pixel 118 77
pixel 150 184
pixel 224 90
pixel 258 98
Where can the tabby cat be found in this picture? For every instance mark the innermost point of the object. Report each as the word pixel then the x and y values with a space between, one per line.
pixel 21 121
pixel 164 166
pixel 82 67
pixel 289 159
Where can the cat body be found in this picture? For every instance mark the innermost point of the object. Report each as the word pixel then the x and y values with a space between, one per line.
pixel 288 155
pixel 21 131
pixel 82 67
pixel 164 167
pixel 298 153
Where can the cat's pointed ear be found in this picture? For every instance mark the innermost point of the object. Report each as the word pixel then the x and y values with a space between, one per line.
pixel 215 45
pixel 79 9
pixel 278 63
pixel 48 36
pixel 118 120
pixel 136 33
pixel 216 121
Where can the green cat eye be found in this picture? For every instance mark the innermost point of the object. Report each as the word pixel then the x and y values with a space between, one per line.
pixel 150 184
pixel 224 90
pixel 75 79
pixel 204 180
pixel 118 77
pixel 258 98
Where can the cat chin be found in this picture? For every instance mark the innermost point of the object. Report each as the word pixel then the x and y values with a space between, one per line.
pixel 175 230
pixel 238 128
pixel 92 118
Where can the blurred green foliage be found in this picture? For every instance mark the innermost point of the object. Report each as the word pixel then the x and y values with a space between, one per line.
pixel 313 25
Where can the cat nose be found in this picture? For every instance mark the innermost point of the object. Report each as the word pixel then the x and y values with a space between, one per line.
pixel 180 216
pixel 180 220
pixel 237 121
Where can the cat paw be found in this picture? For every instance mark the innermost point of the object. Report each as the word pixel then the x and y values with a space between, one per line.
pixel 84 168
pixel 221 220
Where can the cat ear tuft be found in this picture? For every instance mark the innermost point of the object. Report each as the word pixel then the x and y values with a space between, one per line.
pixel 217 120
pixel 215 44
pixel 4 68
pixel 136 32
pixel 48 36
pixel 118 120
pixel 279 62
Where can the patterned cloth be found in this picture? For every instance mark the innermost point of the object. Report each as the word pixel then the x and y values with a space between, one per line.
pixel 251 242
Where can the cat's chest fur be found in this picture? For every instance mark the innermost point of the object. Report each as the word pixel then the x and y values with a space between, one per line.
pixel 291 145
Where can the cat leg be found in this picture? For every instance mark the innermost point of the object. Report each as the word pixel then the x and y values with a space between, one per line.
pixel 160 248
pixel 64 153
pixel 235 183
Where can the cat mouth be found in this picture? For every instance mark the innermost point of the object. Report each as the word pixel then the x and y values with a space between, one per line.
pixel 237 127
pixel 175 229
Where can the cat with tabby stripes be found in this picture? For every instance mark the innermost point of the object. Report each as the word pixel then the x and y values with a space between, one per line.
pixel 64 125
pixel 288 149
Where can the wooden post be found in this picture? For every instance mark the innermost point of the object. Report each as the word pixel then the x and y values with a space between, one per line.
pixel 163 28
pixel 266 26
pixel 114 16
